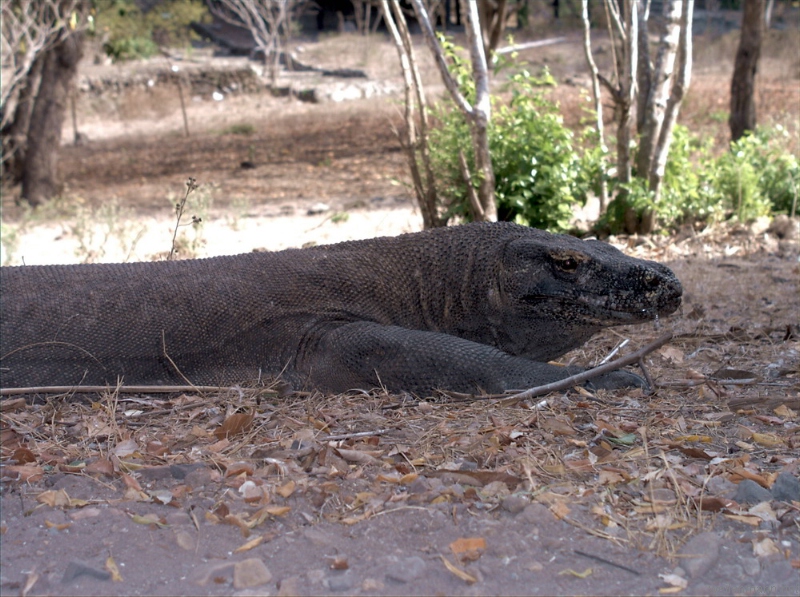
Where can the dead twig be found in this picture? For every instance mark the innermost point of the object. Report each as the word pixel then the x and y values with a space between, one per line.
pixel 121 389
pixel 605 561
pixel 564 384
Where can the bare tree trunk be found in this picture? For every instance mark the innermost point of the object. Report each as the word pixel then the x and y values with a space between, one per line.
pixel 60 64
pixel 653 100
pixel 493 14
pixel 478 115
pixel 598 103
pixel 681 85
pixel 743 109
pixel 15 133
pixel 415 145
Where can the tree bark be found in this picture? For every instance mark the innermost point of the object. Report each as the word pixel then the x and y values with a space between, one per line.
pixel 743 109
pixel 59 67
pixel 15 134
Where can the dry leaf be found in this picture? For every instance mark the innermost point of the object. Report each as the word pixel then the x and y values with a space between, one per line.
pixel 286 489
pixel 250 544
pixel 126 448
pixel 769 440
pixel 765 547
pixel 111 566
pixel 26 473
pixel 56 526
pixel 466 577
pixel 54 498
pixel 149 519
pixel 569 571
pixel 560 509
pixel 468 549
pixel 234 425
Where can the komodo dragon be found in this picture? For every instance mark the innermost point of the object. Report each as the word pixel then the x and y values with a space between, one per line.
pixel 470 308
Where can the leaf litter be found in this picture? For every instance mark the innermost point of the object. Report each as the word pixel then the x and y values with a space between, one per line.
pixel 633 471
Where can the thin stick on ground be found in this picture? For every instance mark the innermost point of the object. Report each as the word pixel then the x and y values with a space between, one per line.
pixel 573 380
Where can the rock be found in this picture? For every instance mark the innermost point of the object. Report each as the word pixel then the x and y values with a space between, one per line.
pixel 404 570
pixel 784 227
pixel 751 566
pixel 721 487
pixel 289 586
pixel 250 573
pixel 700 554
pixel 514 504
pixel 750 492
pixel 75 569
pixel 786 488
pixel 343 581
pixel 319 538
pixel 535 513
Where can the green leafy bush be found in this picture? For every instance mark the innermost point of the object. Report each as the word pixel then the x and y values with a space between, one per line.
pixel 756 177
pixel 130 33
pixel 538 172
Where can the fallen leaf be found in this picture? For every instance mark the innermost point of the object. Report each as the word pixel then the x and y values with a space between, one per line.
pixel 286 489
pixel 126 448
pixel 677 582
pixel 148 519
pixel 765 547
pixel 569 571
pixel 468 549
pixel 250 544
pixel 26 473
pixel 234 425
pixel 111 566
pixel 785 412
pixel 466 577
pixel 753 521
pixel 769 440
pixel 54 498
pixel 57 526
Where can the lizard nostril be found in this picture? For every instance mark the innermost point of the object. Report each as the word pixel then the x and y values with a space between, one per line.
pixel 651 279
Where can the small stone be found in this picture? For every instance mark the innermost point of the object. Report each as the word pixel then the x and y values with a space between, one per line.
pixel 404 570
pixel 535 513
pixel 700 554
pixel 372 585
pixel 786 488
pixel 315 576
pixel 751 566
pixel 341 582
pixel 216 572
pixel 750 492
pixel 185 540
pixel 319 538
pixel 250 573
pixel 721 487
pixel 289 586
pixel 514 504
pixel 75 569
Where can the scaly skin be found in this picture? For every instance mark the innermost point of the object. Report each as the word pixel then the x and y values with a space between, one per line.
pixel 479 307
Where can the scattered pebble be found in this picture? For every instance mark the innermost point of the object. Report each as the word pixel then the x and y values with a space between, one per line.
pixel 514 504
pixel 404 570
pixel 750 492
pixel 751 566
pixel 786 488
pixel 76 569
pixel 250 573
pixel 289 586
pixel 535 513
pixel 700 554
pixel 341 581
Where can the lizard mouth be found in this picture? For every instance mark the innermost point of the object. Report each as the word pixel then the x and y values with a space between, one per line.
pixel 598 311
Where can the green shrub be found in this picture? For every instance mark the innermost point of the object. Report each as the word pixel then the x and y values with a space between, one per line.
pixel 538 173
pixel 756 177
pixel 130 33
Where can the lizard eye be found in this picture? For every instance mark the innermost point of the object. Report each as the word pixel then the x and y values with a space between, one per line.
pixel 567 264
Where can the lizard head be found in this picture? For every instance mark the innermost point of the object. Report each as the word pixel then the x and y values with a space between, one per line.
pixel 568 289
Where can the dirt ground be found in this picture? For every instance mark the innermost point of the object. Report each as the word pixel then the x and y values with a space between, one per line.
pixel 691 490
